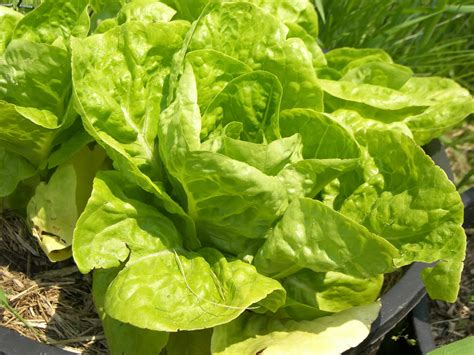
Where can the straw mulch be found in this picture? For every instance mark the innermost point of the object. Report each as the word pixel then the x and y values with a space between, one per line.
pixel 54 299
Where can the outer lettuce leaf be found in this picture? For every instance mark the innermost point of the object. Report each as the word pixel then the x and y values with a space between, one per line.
pixel 8 20
pixel 389 75
pixel 353 121
pixel 161 286
pixel 53 19
pixel 188 10
pixel 296 31
pixel 314 236
pixel 298 12
pixel 104 237
pixel 120 99
pixel 342 59
pixel 255 334
pixel 36 75
pixel 312 294
pixel 206 291
pixel 34 98
pixel 379 90
pixel 145 11
pixel 451 105
pixel 372 95
pixel 410 202
pixel 13 169
pixel 123 338
pixel 259 40
pixel 56 205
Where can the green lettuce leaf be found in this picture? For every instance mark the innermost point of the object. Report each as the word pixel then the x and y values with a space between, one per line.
pixel 104 236
pixel 8 20
pixel 213 70
pixel 120 99
pixel 53 19
pixel 252 99
pixel 451 105
pixel 270 158
pixel 56 205
pixel 246 202
pixel 312 294
pixel 354 122
pixel 161 286
pixel 145 11
pixel 298 12
pixel 13 169
pixel 123 338
pixel 322 137
pixel 312 235
pixel 344 58
pixel 259 40
pixel 388 75
pixel 328 148
pixel 34 98
pixel 410 202
pixel 317 54
pixel 379 90
pixel 256 334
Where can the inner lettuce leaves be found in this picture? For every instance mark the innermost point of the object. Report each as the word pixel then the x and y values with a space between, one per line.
pixel 257 189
